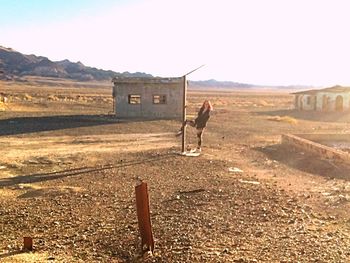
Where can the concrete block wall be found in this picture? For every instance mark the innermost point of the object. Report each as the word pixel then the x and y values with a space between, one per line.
pixel 316 148
pixel 318 137
pixel 172 88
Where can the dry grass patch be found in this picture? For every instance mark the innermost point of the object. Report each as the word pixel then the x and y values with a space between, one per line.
pixel 264 103
pixel 52 98
pixel 27 97
pixel 286 119
pixel 2 106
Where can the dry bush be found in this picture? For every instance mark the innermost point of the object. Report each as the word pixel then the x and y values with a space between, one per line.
pixel 69 99
pixel 2 106
pixel 286 119
pixel 27 97
pixel 264 103
pixel 80 98
pixel 52 98
pixel 16 98
pixel 219 103
pixel 108 100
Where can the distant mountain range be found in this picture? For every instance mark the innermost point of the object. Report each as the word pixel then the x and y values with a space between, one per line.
pixel 212 83
pixel 15 64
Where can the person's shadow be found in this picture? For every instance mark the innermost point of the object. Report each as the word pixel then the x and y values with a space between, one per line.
pixel 41 177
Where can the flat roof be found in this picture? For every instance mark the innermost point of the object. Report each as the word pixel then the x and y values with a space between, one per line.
pixel 153 80
pixel 334 89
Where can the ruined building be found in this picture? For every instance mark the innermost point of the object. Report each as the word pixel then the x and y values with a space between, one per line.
pixel 148 98
pixel 336 98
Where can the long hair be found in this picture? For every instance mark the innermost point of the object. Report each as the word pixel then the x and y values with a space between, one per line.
pixel 206 106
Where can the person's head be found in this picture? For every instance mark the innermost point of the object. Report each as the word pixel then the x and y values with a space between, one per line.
pixel 207 105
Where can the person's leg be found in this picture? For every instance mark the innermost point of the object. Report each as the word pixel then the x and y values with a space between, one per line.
pixel 189 122
pixel 200 139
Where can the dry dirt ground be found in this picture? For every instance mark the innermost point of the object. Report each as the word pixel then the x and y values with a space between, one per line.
pixel 68 171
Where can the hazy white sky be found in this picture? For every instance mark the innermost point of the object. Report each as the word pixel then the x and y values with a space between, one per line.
pixel 252 41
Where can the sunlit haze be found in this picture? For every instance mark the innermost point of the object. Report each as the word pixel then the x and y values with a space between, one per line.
pixel 267 42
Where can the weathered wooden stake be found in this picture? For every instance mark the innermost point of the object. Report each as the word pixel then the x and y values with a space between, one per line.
pixel 28 243
pixel 144 219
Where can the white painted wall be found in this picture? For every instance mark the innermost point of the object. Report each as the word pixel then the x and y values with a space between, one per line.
pixel 332 100
pixel 306 101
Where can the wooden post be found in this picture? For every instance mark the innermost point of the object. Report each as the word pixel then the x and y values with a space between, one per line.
pixel 143 216
pixel 184 105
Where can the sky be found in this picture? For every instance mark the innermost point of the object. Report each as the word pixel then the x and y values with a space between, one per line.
pixel 265 42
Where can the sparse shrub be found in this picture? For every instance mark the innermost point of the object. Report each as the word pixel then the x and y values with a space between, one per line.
pixel 52 98
pixel 286 119
pixel 69 99
pixel 80 98
pixel 27 97
pixel 264 103
pixel 2 106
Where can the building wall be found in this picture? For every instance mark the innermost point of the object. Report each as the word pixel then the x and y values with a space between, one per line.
pixel 305 102
pixel 326 101
pixel 316 148
pixel 323 101
pixel 172 89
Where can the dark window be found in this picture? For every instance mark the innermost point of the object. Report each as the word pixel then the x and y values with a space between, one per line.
pixel 134 99
pixel 159 99
pixel 308 100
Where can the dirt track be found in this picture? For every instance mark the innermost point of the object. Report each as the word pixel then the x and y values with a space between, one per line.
pixel 70 185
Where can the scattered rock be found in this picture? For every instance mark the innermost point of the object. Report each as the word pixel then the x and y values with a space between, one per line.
pixel 235 170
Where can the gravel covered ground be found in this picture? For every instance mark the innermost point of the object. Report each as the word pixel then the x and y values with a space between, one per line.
pixel 201 212
pixel 72 189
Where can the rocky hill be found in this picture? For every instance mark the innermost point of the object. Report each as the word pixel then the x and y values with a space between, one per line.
pixel 15 64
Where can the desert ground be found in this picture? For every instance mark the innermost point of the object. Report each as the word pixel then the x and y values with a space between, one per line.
pixel 68 170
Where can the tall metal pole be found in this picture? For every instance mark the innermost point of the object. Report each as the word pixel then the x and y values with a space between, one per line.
pixel 184 105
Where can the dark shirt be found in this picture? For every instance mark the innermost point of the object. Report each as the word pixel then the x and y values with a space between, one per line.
pixel 202 119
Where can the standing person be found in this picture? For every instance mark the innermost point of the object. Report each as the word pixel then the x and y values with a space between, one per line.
pixel 199 123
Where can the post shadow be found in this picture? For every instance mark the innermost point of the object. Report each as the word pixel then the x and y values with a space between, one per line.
pixel 40 177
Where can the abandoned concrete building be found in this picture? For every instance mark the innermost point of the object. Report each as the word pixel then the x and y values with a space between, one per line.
pixel 336 98
pixel 152 98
